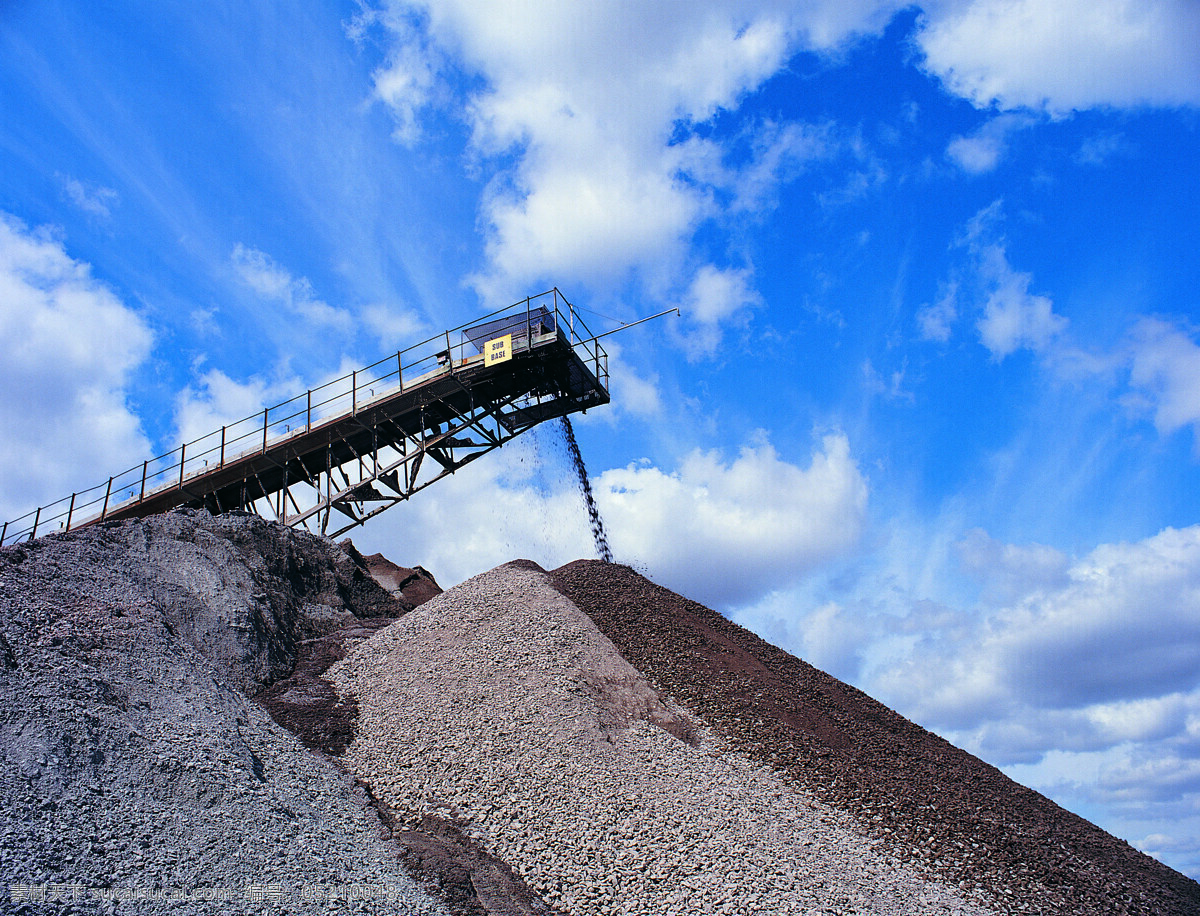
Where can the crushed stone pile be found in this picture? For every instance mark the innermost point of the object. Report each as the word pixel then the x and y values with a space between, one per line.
pixel 212 715
pixel 915 794
pixel 135 774
pixel 413 586
pixel 500 707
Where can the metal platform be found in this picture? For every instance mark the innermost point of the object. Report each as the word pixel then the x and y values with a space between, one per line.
pixel 337 455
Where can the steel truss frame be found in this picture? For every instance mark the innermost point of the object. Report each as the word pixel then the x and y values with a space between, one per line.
pixel 340 496
pixel 342 453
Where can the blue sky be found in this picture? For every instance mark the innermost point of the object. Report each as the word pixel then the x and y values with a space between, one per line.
pixel 929 417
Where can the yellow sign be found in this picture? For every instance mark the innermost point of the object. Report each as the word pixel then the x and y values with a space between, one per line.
pixel 498 350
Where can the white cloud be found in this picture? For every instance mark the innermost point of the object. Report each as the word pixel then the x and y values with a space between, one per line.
pixel 395 328
pixel 725 533
pixel 1100 148
pixel 89 197
pixel 977 154
pixel 519 502
pixel 70 346
pixel 778 153
pixel 1165 371
pixel 578 108
pixel 215 400
pixel 406 81
pixel 272 282
pixel 1112 637
pixel 1013 317
pixel 1067 55
pixel 1010 571
pixel 886 384
pixel 632 393
pixel 937 319
pixel 713 299
pixel 831 636
pixel 1179 848
pixel 720 532
pixel 981 152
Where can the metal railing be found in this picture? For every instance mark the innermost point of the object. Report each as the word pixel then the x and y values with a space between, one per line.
pixel 530 321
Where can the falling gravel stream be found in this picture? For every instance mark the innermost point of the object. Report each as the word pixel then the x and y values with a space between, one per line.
pixel 599 535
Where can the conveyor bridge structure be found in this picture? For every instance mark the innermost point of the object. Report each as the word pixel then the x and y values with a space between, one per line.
pixel 340 454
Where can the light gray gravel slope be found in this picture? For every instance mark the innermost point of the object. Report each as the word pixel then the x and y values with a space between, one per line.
pixel 135 777
pixel 501 705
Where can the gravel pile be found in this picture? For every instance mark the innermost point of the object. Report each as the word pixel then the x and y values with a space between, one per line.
pixel 922 799
pixel 500 707
pixel 135 775
pixel 579 742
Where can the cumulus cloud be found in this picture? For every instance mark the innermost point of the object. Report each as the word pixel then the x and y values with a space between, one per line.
pixel 715 298
pixel 632 392
pixel 1165 373
pixel 585 115
pixel 1013 317
pixel 832 635
pixel 1118 628
pixel 520 502
pixel 214 400
pixel 727 532
pixel 982 151
pixel 1009 571
pixel 1064 56
pixel 70 347
pixel 722 532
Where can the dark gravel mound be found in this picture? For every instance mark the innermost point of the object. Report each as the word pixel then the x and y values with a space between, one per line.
pixel 304 702
pixel 414 586
pixel 927 800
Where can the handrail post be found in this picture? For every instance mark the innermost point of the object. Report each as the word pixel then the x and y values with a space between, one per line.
pixel 107 494
pixel 265 409
pixel 181 456
pixel 36 517
pixel 222 446
pixel 308 416
pixel 70 511
pixel 3 532
pixel 399 371
pixel 449 354
pixel 354 388
pixel 142 495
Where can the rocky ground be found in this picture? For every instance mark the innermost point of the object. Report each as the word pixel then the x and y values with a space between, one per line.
pixel 205 715
pixel 916 795
pixel 500 706
pixel 135 774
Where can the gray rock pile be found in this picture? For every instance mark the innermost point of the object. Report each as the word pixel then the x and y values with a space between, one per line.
pixel 204 715
pixel 135 775
pixel 500 705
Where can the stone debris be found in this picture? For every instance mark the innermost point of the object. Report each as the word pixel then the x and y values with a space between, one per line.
pixel 917 796
pixel 135 775
pixel 499 705
pixel 414 586
pixel 581 742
